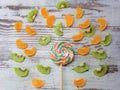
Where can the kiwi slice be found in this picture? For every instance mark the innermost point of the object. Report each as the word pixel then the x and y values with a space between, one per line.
pixel 17 57
pixel 81 68
pixel 21 72
pixel 107 40
pixel 99 54
pixel 90 31
pixel 101 71
pixel 62 4
pixel 44 40
pixel 32 15
pixel 58 29
pixel 43 69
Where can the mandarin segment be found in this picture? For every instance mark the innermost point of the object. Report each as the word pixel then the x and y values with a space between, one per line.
pixel 96 40
pixel 69 20
pixel 84 51
pixel 37 83
pixel 44 12
pixel 30 31
pixel 50 21
pixel 78 37
pixel 18 26
pixel 85 24
pixel 20 44
pixel 79 12
pixel 102 24
pixel 30 52
pixel 80 82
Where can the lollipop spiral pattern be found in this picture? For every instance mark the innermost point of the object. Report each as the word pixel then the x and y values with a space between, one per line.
pixel 62 53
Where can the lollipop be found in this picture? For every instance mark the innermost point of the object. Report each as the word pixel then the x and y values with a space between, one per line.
pixel 61 53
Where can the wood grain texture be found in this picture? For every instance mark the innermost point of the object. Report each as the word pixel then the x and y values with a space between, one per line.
pixel 12 10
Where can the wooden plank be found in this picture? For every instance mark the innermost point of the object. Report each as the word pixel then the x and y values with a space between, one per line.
pixel 12 10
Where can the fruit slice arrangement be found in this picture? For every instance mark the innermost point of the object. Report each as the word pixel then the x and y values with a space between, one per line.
pixel 88 30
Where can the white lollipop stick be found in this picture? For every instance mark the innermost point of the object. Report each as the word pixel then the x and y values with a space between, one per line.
pixel 61 78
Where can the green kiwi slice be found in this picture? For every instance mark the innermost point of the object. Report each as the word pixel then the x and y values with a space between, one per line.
pixel 99 54
pixel 101 71
pixel 62 4
pixel 58 29
pixel 17 57
pixel 21 72
pixel 90 31
pixel 43 69
pixel 107 40
pixel 81 68
pixel 32 15
pixel 43 41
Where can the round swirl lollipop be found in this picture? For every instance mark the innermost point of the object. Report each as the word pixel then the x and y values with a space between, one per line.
pixel 61 53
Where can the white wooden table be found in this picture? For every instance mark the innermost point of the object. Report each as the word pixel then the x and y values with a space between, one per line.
pixel 12 10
